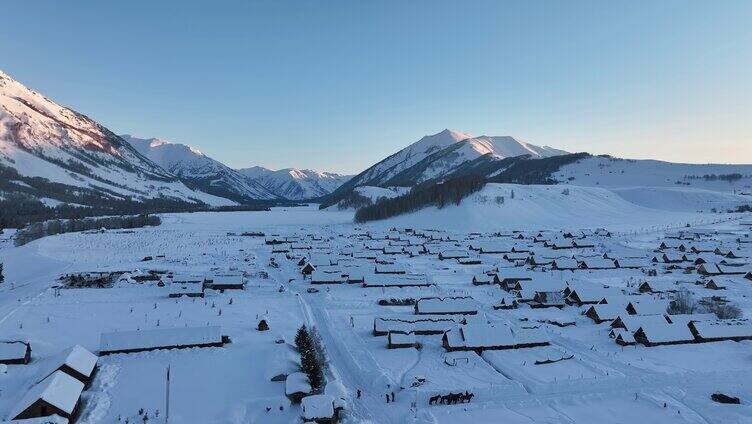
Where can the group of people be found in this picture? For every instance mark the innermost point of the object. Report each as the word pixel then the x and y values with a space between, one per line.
pixel 390 397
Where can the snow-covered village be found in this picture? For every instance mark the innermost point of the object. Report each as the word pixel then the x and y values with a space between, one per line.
pixel 255 213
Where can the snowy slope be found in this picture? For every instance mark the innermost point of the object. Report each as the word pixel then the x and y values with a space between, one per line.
pixel 540 206
pixel 442 154
pixel 39 138
pixel 619 173
pixel 685 199
pixel 295 184
pixel 199 170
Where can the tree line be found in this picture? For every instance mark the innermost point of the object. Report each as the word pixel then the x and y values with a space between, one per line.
pixel 421 196
pixel 37 230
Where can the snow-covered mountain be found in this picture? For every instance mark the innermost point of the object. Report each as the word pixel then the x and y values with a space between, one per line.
pixel 242 185
pixel 77 159
pixel 442 155
pixel 296 184
pixel 201 171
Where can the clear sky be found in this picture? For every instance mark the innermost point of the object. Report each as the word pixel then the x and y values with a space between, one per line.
pixel 339 85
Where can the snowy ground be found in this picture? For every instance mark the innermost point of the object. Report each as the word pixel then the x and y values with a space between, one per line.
pixel 602 382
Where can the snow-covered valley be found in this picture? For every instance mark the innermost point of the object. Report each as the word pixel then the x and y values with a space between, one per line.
pixel 556 364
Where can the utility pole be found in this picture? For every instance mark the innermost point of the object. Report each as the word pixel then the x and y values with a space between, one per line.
pixel 167 397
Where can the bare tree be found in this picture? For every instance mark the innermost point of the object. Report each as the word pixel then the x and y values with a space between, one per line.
pixel 682 303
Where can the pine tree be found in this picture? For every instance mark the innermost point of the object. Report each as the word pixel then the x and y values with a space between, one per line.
pixel 310 362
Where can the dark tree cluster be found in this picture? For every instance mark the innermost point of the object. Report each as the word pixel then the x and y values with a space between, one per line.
pixel 422 196
pixel 51 227
pixel 353 200
pixel 536 171
pixel 734 176
pixel 312 356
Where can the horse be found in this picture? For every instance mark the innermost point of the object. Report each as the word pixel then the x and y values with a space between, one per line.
pixel 434 399
pixel 467 397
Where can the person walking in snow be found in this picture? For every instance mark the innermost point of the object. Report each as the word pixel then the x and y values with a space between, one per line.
pixel 358 393
pixel 387 398
pixel 392 396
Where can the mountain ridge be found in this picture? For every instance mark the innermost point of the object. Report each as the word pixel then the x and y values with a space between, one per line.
pixel 42 139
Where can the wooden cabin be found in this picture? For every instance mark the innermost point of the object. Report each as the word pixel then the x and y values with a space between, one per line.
pixel 166 338
pixel 297 387
pixel 230 281
pixel 75 361
pixel 481 336
pixel 663 333
pixel 400 340
pixel 57 394
pixel 319 409
pixel 15 352
pixel 728 329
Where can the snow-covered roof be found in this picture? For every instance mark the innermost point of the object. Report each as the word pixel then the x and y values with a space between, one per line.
pixel 319 276
pixel 684 319
pixel 158 338
pixel 492 246
pixel 390 269
pixel 648 307
pixel 402 338
pixel 597 263
pixel 634 322
pixel 223 279
pixel 480 334
pixel 12 350
pixel 566 263
pixel 409 325
pixel 484 278
pixel 297 382
pixel 186 288
pixel 76 357
pixel 188 278
pixel 719 329
pixel 607 311
pixel 663 332
pixel 453 253
pixel 380 280
pixel 58 389
pixel 446 305
pixel 317 407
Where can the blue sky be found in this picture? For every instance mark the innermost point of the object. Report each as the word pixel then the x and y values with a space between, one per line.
pixel 340 85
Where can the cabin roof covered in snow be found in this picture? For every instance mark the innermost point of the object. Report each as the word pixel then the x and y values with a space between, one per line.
pixel 663 332
pixel 76 357
pixel 685 319
pixel 317 407
pixel 648 307
pixel 12 350
pixel 723 328
pixel 156 338
pixel 58 389
pixel 220 279
pixel 634 322
pixel 439 305
pixel 297 382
